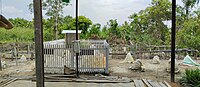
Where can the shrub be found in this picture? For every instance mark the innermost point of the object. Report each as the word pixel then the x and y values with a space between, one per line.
pixel 191 78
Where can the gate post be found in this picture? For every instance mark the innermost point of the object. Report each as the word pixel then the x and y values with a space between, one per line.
pixel 107 55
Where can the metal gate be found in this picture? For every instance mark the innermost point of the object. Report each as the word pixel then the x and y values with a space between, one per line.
pixel 93 57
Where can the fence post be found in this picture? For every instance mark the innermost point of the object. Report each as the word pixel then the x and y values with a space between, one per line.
pixel 15 55
pixel 12 54
pixel 107 55
pixel 0 63
pixel 28 51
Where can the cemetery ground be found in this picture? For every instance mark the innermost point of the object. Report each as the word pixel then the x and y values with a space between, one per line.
pixel 25 70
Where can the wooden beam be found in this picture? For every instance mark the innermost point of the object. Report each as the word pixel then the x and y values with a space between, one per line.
pixel 6 82
pixel 162 84
pixel 139 83
pixel 167 84
pixel 146 82
pixel 153 83
pixel 39 43
pixel 81 80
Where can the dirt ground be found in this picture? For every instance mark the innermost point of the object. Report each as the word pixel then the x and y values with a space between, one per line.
pixel 21 68
pixel 152 71
pixel 116 68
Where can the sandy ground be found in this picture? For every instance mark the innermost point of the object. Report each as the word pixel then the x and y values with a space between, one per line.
pixel 116 68
pixel 21 68
pixel 152 71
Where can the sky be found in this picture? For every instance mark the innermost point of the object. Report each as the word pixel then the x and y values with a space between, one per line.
pixel 99 11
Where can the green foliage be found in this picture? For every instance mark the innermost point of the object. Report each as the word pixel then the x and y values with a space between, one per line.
pixel 83 24
pixel 113 28
pixel 48 35
pixel 94 30
pixel 17 34
pixel 67 1
pixel 66 23
pixel 189 4
pixel 189 36
pixel 20 22
pixel 104 33
pixel 53 9
pixel 150 21
pixel 191 78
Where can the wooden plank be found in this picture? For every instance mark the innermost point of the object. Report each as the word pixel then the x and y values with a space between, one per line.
pixel 162 84
pixel 136 83
pixel 8 82
pixel 139 83
pixel 4 81
pixel 166 83
pixel 153 83
pixel 146 83
pixel 60 75
pixel 80 80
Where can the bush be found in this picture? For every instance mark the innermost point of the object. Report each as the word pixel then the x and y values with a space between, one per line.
pixel 191 78
pixel 16 34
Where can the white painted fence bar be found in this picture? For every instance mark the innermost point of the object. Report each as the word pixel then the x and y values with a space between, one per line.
pixel 93 57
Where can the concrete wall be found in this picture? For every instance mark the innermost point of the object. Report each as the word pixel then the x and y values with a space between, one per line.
pixel 70 37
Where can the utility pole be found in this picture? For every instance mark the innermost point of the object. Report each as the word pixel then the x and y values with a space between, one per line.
pixel 77 73
pixel 39 43
pixel 173 44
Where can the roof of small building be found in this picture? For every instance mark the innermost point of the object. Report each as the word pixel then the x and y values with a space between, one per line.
pixel 60 41
pixel 70 31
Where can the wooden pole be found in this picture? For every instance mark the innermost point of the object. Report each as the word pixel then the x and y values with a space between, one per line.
pixel 39 43
pixel 173 36
pixel 0 63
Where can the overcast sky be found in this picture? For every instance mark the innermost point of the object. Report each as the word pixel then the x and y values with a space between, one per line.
pixel 99 11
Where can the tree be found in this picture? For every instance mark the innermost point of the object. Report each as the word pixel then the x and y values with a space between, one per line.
pixel 94 31
pixel 54 9
pixel 189 36
pixel 83 24
pixel 150 20
pixel 113 27
pixel 189 4
pixel 66 24
pixel 20 22
pixel 104 33
pixel 114 32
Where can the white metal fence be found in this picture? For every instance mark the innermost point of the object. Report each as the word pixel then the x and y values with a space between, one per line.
pixel 93 57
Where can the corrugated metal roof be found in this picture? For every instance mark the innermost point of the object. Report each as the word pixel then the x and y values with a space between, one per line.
pixel 70 31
